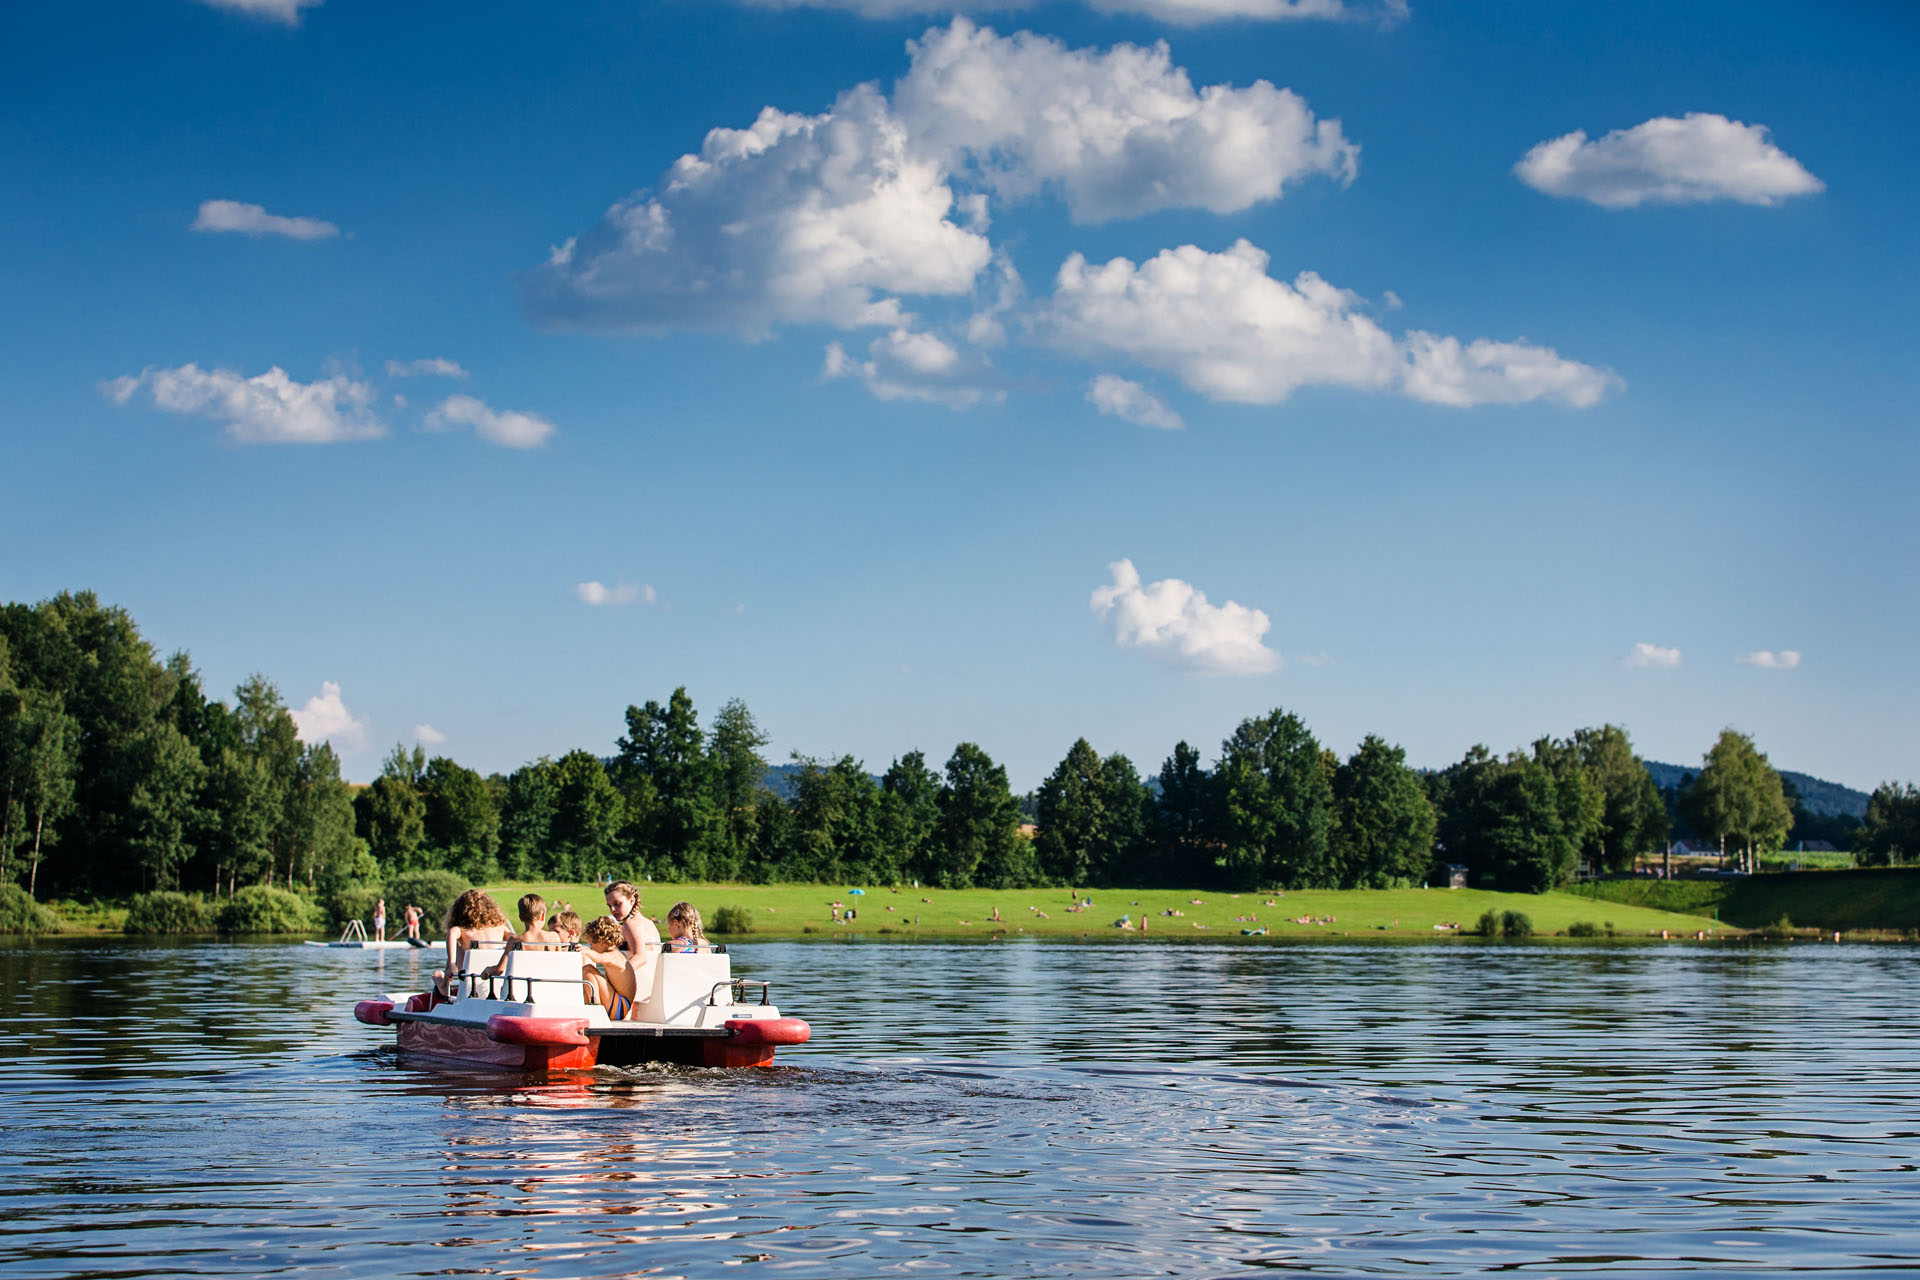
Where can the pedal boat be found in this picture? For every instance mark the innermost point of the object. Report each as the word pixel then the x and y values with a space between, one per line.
pixel 534 1016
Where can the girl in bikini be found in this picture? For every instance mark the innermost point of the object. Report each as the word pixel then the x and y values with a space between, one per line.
pixel 608 973
pixel 684 935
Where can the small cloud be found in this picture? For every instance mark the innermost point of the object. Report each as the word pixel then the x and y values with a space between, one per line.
pixel 1313 659
pixel 598 593
pixel 427 735
pixel 739 608
pixel 502 427
pixel 432 367
pixel 1651 655
pixel 1667 161
pixel 909 365
pixel 1123 398
pixel 270 408
pixel 1767 660
pixel 325 718
pixel 1391 300
pixel 1172 620
pixel 252 220
pixel 287 11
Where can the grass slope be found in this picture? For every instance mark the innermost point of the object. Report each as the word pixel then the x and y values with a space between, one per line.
pixel 1870 898
pixel 790 910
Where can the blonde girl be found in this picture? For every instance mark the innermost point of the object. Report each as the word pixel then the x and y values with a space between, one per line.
pixel 684 935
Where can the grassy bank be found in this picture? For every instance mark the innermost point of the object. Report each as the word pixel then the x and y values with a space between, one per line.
pixel 791 911
pixel 1877 899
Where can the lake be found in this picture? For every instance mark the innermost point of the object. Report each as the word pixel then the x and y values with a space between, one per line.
pixel 1012 1109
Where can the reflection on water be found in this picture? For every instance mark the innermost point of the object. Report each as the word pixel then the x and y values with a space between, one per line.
pixel 987 1110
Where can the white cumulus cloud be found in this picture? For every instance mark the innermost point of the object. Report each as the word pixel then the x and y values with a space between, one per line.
pixel 1227 329
pixel 287 11
pixel 1119 133
pixel 269 408
pixel 598 593
pixel 325 718
pixel 427 735
pixel 1651 655
pixel 1172 620
pixel 1110 393
pixel 841 217
pixel 795 219
pixel 1767 660
pixel 251 219
pixel 431 367
pixel 496 426
pixel 907 365
pixel 1697 158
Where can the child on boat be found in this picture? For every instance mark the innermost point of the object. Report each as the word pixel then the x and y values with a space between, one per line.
pixel 533 933
pixel 567 925
pixel 608 973
pixel 637 933
pixel 473 917
pixel 684 935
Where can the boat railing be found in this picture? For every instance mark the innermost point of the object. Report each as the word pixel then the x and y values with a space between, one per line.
pixel 736 988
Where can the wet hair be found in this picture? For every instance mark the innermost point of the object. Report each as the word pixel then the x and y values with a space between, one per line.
pixel 474 910
pixel 688 914
pixel 532 907
pixel 603 934
pixel 623 886
pixel 567 921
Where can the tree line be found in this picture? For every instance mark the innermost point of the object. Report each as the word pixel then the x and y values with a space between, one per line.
pixel 118 774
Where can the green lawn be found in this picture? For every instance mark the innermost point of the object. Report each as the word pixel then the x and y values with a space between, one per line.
pixel 1885 899
pixel 788 910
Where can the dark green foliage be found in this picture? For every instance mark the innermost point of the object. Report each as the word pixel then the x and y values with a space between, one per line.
pixel 431 891
pixel 356 902
pixel 19 913
pixel 1633 819
pixel 1585 928
pixel 1092 818
pixel 166 912
pixel 1890 836
pixel 1273 806
pixel 1739 799
pixel 458 819
pixel 732 921
pixel 1384 824
pixel 1488 926
pixel 1516 924
pixel 977 840
pixel 260 908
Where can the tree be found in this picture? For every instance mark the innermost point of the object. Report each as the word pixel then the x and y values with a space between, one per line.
pixel 1384 825
pixel 909 816
pixel 164 814
pixel 1178 822
pixel 1273 805
pixel 50 746
pixel 526 820
pixel 321 845
pixel 834 834
pixel 392 818
pixel 977 840
pixel 737 770
pixel 1890 836
pixel 459 820
pixel 269 754
pixel 588 814
pixel 1072 845
pixel 1522 837
pixel 1738 798
pixel 1633 816
pixel 1582 805
pixel 663 772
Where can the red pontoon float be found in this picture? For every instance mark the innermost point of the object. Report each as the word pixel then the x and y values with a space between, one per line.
pixel 534 1016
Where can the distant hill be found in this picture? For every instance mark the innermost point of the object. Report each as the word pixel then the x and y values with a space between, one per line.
pixel 1822 798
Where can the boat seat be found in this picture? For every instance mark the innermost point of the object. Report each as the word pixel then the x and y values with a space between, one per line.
pixel 682 985
pixel 555 976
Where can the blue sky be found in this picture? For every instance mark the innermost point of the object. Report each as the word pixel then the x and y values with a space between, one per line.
pixel 1456 373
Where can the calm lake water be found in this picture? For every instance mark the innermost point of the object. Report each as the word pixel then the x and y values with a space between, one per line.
pixel 1020 1109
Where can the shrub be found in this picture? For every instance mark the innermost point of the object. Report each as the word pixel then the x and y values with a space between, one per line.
pixel 1489 926
pixel 1516 924
pixel 19 913
pixel 167 912
pixel 731 920
pixel 355 902
pixel 260 908
pixel 1583 929
pixel 431 891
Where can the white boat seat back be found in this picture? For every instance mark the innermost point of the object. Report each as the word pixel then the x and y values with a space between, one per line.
pixel 555 974
pixel 682 985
